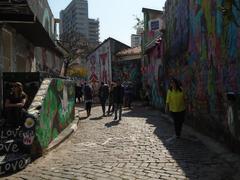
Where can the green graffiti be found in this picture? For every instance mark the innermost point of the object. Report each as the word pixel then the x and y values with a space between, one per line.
pixel 57 111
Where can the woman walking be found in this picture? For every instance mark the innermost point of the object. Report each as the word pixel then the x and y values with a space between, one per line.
pixel 175 104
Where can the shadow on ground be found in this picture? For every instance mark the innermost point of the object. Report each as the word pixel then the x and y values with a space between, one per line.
pixel 194 158
pixel 96 118
pixel 112 123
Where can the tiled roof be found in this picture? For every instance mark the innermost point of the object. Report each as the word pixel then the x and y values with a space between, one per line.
pixel 130 51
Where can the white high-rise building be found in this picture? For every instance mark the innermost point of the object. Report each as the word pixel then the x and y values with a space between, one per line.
pixel 136 38
pixel 75 24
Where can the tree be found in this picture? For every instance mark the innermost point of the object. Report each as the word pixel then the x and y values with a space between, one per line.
pixel 139 24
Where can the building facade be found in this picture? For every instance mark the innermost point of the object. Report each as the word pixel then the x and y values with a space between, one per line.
pixel 99 61
pixel 152 66
pixel 127 67
pixel 76 26
pixel 135 40
pixel 27 34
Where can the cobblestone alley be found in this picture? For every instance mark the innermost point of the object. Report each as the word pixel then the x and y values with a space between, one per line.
pixel 134 148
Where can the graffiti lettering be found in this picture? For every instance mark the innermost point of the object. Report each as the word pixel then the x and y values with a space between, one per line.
pixel 10 134
pixel 10 146
pixel 13 166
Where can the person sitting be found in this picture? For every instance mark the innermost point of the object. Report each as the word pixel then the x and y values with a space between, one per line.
pixel 14 106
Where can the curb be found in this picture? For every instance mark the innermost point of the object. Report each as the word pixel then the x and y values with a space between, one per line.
pixel 68 131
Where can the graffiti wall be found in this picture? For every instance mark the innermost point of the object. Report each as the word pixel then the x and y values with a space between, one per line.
pixel 99 65
pixel 57 109
pixel 48 61
pixel 128 71
pixel 203 41
pixel 152 68
pixel 153 75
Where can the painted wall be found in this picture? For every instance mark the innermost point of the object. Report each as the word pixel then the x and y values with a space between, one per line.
pixel 48 61
pixel 149 32
pixel 128 71
pixel 203 41
pixel 56 97
pixel 152 68
pixel 153 75
pixel 27 58
pixel 99 65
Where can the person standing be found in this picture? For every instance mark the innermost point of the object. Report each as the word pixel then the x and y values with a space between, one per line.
pixel 103 94
pixel 88 97
pixel 118 93
pixel 175 104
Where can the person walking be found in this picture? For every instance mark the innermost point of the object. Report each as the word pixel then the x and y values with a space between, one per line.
pixel 128 95
pixel 88 97
pixel 103 94
pixel 110 100
pixel 118 93
pixel 175 104
pixel 78 93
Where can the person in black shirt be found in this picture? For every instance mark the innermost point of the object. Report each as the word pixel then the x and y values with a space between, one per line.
pixel 103 94
pixel 14 105
pixel 118 93
pixel 78 93
pixel 88 97
pixel 110 100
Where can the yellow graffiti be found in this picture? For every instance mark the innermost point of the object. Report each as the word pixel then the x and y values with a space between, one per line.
pixel 82 72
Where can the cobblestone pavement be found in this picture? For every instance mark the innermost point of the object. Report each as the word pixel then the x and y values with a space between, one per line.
pixel 134 148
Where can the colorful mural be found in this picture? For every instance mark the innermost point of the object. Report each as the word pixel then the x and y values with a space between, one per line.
pixel 99 63
pixel 57 111
pixel 203 41
pixel 152 63
pixel 153 75
pixel 128 71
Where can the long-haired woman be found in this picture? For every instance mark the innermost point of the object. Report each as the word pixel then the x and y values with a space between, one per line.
pixel 14 105
pixel 175 104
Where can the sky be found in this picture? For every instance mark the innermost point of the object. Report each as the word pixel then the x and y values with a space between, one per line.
pixel 117 17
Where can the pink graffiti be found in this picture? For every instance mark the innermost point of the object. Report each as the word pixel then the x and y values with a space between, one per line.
pixel 103 57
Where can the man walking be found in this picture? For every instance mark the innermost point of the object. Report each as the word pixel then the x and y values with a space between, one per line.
pixel 103 94
pixel 88 97
pixel 118 93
